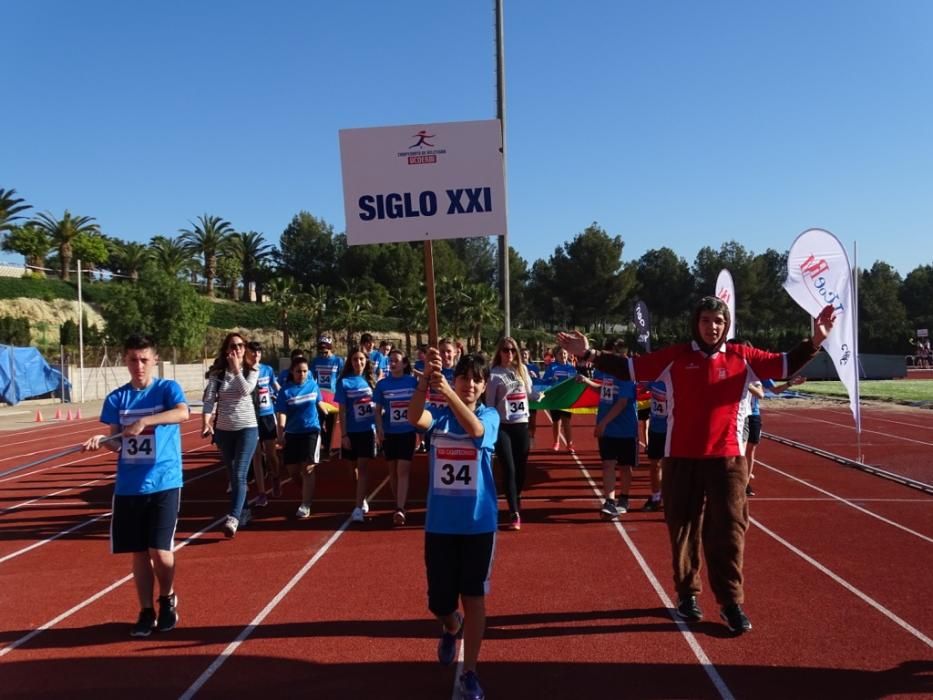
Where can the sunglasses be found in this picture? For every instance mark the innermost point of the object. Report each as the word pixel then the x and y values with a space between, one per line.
pixel 511 351
pixel 237 346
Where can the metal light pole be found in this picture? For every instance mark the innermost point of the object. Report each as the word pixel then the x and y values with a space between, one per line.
pixel 80 332
pixel 500 115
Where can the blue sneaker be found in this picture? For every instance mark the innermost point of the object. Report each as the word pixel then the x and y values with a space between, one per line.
pixel 447 645
pixel 470 689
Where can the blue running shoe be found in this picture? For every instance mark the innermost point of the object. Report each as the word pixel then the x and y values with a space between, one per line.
pixel 470 689
pixel 447 645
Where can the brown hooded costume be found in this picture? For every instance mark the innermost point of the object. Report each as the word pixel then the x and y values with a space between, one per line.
pixel 705 472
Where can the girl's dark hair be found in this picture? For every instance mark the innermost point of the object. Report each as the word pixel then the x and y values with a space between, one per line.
pixel 473 363
pixel 219 365
pixel 296 360
pixel 406 363
pixel 368 373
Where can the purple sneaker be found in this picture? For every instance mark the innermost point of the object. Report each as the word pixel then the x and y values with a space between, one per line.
pixel 447 645
pixel 470 689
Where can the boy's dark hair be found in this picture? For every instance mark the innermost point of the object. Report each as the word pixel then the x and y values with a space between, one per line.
pixel 366 338
pixel 254 346
pixel 473 363
pixel 716 305
pixel 139 341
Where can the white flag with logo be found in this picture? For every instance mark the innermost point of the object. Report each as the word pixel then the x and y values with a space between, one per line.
pixel 725 290
pixel 818 273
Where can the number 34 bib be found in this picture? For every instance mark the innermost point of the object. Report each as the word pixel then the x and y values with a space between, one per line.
pixel 139 448
pixel 456 467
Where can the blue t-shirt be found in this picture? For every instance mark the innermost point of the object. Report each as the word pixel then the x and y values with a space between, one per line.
pixel 265 390
pixel 299 404
pixel 611 391
pixel 392 396
pixel 557 372
pixel 325 371
pixel 461 487
pixel 533 371
pixel 419 365
pixel 380 362
pixel 151 461
pixel 285 376
pixel 756 409
pixel 657 419
pixel 356 397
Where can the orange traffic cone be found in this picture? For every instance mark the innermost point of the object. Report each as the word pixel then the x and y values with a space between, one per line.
pixel 58 414
pixel 78 414
pixel 70 417
pixel 39 417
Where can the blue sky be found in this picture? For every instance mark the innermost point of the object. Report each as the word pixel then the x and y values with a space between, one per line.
pixel 678 124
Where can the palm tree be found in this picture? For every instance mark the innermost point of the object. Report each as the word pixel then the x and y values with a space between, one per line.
pixel 352 313
pixel 411 311
pixel 251 250
pixel 282 295
pixel 10 207
pixel 453 300
pixel 207 240
pixel 62 233
pixel 314 302
pixel 170 255
pixel 483 310
pixel 129 258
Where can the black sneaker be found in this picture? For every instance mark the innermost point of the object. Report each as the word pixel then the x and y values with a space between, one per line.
pixel 145 623
pixel 651 505
pixel 622 505
pixel 749 491
pixel 609 510
pixel 688 610
pixel 168 614
pixel 735 619
pixel 447 644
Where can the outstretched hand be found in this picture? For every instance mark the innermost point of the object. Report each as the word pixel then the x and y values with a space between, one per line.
pixel 823 324
pixel 573 342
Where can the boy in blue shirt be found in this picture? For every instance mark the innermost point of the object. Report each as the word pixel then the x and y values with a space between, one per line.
pixel 462 517
pixel 147 490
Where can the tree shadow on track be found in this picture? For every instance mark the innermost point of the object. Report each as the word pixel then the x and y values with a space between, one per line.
pixel 155 675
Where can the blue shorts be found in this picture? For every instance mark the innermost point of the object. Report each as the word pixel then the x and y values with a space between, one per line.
pixel 141 523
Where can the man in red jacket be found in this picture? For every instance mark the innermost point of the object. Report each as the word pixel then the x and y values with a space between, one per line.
pixel 705 471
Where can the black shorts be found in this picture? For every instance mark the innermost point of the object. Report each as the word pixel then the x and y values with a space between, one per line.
pixel 457 565
pixel 362 446
pixel 754 429
pixel 302 448
pixel 556 415
pixel 644 413
pixel 267 429
pixel 656 442
pixel 141 523
pixel 623 450
pixel 399 446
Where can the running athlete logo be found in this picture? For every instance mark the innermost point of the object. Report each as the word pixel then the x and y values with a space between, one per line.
pixel 423 137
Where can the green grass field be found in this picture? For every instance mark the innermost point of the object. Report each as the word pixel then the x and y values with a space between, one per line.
pixel 897 390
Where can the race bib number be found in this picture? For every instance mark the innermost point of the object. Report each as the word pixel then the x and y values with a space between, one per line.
pixel 265 397
pixel 398 412
pixel 516 406
pixel 607 391
pixel 658 408
pixel 139 448
pixel 363 408
pixel 436 400
pixel 456 467
pixel 323 377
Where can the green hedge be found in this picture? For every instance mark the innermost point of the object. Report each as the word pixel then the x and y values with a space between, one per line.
pixel 242 315
pixel 50 288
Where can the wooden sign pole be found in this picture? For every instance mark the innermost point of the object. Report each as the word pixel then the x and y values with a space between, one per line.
pixel 432 298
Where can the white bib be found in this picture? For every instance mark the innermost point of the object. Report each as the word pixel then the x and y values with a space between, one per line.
pixel 456 466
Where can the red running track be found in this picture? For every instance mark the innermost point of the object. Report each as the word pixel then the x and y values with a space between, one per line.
pixel 837 567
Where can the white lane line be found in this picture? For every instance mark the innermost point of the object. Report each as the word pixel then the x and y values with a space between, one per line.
pixel 848 586
pixel 89 521
pixel 21 475
pixel 845 501
pixel 97 596
pixel 851 427
pixel 264 613
pixel 845 412
pixel 690 638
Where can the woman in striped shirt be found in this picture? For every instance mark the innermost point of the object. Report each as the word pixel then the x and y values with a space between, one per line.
pixel 229 389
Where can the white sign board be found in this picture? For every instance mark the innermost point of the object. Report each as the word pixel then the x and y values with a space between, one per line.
pixel 923 332
pixel 423 182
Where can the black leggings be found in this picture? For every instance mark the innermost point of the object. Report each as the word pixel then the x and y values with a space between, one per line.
pixel 512 447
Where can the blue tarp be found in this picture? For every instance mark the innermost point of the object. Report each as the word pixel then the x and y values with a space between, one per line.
pixel 24 373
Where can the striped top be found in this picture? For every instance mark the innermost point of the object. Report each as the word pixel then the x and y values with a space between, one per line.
pixel 233 398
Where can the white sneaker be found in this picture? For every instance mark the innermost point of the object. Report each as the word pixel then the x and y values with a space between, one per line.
pixel 303 511
pixel 230 526
pixel 357 515
pixel 365 506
